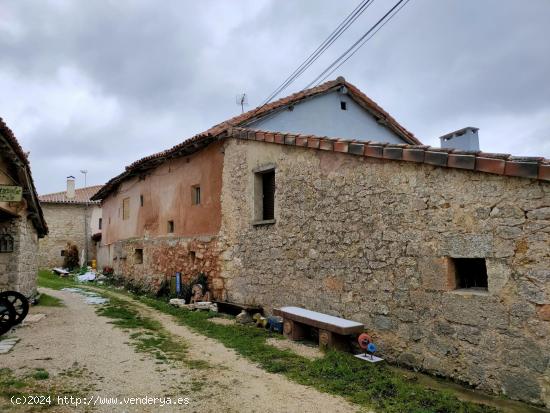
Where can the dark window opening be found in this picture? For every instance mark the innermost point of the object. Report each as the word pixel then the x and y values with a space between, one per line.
pixel 343 105
pixel 470 273
pixel 196 195
pixel 6 243
pixel 100 223
pixel 62 253
pixel 193 256
pixel 170 227
pixel 138 256
pixel 141 200
pixel 268 195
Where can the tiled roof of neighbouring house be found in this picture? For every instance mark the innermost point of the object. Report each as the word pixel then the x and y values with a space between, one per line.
pixel 353 92
pixel 248 117
pixel 11 149
pixel 82 196
pixel 492 163
pixel 503 164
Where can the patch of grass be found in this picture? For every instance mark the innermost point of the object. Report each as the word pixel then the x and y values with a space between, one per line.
pixel 49 301
pixel 49 279
pixel 148 336
pixel 36 382
pixel 370 385
pixel 40 374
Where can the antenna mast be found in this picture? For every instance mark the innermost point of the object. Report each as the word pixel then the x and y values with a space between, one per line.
pixel 242 100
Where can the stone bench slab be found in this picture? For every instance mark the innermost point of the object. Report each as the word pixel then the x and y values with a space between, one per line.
pixel 319 320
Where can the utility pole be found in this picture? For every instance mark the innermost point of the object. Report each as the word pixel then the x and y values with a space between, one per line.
pixel 85 172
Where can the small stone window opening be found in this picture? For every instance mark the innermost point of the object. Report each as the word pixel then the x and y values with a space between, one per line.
pixel 343 105
pixel 268 195
pixel 196 195
pixel 469 273
pixel 193 256
pixel 62 253
pixel 141 200
pixel 170 226
pixel 6 243
pixel 126 208
pixel 264 195
pixel 99 223
pixel 138 255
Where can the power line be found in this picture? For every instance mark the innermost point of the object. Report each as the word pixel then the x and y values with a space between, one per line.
pixel 340 29
pixel 336 33
pixel 364 41
pixel 354 45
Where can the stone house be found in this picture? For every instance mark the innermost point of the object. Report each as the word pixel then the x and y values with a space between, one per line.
pixel 73 218
pixel 22 222
pixel 443 254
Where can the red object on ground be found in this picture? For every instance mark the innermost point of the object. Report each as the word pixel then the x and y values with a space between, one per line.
pixel 364 340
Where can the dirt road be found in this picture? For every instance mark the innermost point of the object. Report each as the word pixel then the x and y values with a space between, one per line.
pixel 75 339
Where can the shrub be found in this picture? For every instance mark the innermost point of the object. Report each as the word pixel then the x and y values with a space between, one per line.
pixel 70 260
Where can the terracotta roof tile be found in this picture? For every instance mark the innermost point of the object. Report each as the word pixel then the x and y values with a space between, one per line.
pixel 414 151
pixel 243 119
pixel 82 196
pixel 499 164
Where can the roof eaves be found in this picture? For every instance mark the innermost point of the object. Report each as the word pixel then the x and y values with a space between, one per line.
pixel 500 164
pixel 37 215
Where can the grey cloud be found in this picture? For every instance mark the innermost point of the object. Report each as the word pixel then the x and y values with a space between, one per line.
pixel 173 69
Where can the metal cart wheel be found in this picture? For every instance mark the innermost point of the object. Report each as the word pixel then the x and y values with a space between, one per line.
pixel 19 302
pixel 7 315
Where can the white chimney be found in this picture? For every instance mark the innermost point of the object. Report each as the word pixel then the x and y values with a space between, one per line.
pixel 465 139
pixel 70 187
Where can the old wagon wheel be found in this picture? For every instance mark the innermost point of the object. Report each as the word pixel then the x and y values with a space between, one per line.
pixel 19 303
pixel 7 315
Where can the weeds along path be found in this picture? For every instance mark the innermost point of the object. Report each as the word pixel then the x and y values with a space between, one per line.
pixel 231 383
pixel 85 355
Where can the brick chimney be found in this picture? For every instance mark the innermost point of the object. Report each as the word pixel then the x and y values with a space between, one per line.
pixel 70 187
pixel 465 139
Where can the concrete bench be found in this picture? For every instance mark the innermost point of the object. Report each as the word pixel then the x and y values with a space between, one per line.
pixel 333 331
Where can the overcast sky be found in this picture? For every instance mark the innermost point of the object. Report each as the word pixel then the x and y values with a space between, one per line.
pixel 98 84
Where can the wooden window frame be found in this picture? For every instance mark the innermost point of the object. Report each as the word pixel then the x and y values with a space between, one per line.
pixel 126 208
pixel 196 195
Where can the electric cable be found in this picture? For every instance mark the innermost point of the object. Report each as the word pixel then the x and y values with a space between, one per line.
pixel 354 45
pixel 336 33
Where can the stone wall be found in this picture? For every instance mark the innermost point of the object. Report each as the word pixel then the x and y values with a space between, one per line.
pixel 18 268
pixel 370 240
pixel 66 224
pixel 162 257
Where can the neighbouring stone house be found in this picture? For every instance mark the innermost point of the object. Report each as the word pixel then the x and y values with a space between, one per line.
pixel 21 220
pixel 443 254
pixel 73 219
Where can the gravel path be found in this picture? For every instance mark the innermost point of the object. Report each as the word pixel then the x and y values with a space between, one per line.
pixel 75 336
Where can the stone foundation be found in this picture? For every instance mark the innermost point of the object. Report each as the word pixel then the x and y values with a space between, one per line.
pixel 372 241
pixel 160 258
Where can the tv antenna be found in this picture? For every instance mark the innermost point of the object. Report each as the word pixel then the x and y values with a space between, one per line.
pixel 242 100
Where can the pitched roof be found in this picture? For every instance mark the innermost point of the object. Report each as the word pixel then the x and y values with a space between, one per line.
pixel 202 139
pixel 12 149
pixel 484 162
pixel 359 97
pixel 82 196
